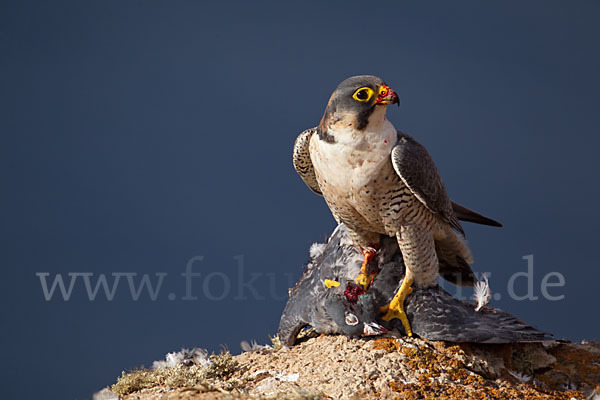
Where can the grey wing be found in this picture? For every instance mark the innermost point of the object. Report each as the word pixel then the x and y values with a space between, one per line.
pixel 302 162
pixel 435 315
pixel 417 170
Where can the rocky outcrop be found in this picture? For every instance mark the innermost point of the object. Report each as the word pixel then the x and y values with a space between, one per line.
pixel 338 367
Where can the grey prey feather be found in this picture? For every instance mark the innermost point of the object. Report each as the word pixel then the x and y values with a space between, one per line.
pixel 433 313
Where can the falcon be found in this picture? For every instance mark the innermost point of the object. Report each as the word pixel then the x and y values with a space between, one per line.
pixel 380 181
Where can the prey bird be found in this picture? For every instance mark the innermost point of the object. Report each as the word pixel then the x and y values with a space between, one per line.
pixel 380 181
pixel 433 313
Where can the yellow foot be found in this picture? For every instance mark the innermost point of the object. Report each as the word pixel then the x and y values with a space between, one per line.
pixel 364 278
pixel 363 281
pixel 330 283
pixel 396 307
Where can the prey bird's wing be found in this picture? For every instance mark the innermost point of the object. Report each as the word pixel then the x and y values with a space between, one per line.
pixel 417 170
pixel 302 162
pixel 464 214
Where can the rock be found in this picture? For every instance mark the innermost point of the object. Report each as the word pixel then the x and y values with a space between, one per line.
pixel 105 394
pixel 343 368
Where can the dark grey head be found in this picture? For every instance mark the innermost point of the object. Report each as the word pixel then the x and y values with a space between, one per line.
pixel 354 319
pixel 354 101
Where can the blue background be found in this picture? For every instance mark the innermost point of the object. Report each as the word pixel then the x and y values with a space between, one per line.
pixel 136 135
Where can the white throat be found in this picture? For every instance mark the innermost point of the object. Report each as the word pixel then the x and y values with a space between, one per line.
pixel 355 157
pixel 376 136
pixel 379 128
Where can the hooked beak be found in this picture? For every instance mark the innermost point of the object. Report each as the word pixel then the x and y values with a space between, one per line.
pixel 373 329
pixel 387 96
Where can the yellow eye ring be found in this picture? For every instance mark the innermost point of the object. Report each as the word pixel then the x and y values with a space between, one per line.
pixel 363 94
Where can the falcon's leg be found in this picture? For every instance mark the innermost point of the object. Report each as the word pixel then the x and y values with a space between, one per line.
pixel 368 243
pixel 418 250
pixel 396 307
pixel 365 278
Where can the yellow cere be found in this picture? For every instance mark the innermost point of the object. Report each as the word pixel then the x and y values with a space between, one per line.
pixel 329 283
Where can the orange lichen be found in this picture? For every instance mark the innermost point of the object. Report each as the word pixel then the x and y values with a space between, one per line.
pixel 434 391
pixel 423 358
pixel 440 361
pixel 386 344
pixel 577 364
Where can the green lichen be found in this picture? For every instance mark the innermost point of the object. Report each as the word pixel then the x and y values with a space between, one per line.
pixel 223 365
pixel 276 343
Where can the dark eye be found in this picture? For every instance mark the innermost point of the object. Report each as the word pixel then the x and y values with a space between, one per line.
pixel 362 94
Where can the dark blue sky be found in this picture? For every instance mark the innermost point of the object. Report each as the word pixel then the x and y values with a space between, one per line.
pixel 136 135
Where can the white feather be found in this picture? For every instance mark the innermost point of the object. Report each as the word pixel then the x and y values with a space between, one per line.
pixel 316 249
pixel 482 293
pixel 253 346
pixel 195 356
pixel 520 377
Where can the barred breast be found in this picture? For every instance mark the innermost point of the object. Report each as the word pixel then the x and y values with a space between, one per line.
pixel 363 190
pixel 387 200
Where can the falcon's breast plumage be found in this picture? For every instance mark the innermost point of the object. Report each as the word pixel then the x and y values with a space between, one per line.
pixel 378 180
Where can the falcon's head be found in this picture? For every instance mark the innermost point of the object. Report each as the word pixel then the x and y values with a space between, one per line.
pixel 358 103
